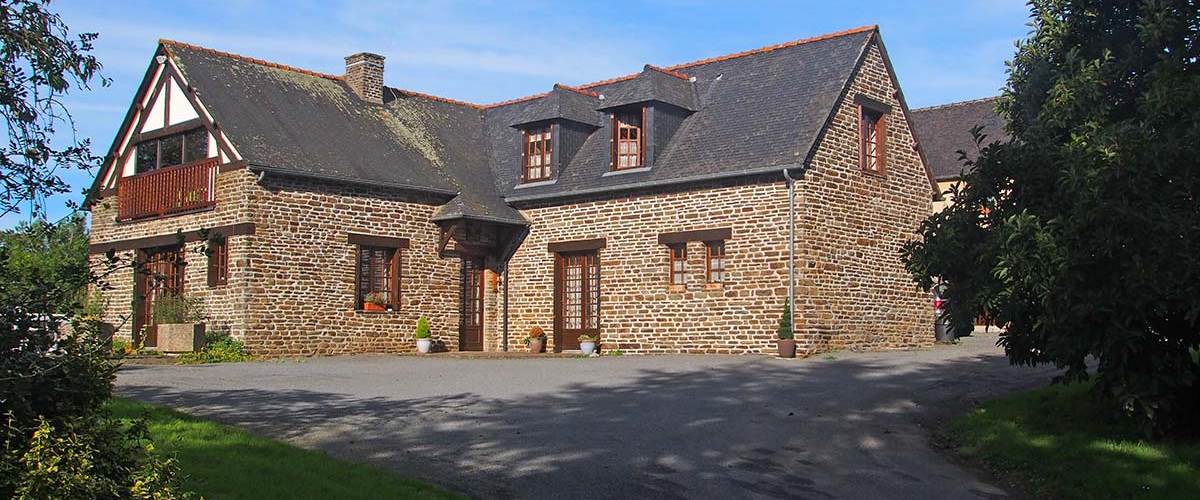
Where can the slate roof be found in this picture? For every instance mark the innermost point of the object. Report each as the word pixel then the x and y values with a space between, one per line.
pixel 946 129
pixel 750 113
pixel 654 84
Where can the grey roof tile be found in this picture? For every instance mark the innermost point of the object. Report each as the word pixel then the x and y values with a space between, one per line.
pixel 945 130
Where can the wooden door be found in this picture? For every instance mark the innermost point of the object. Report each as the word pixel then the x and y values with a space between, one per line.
pixel 161 273
pixel 576 298
pixel 470 334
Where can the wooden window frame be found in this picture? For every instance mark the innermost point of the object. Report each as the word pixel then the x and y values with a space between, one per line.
pixel 872 123
pixel 394 268
pixel 710 257
pixel 547 156
pixel 218 261
pixel 617 126
pixel 677 253
pixel 157 137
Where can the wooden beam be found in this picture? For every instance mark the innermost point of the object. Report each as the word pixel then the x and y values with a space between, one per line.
pixel 576 245
pixel 240 229
pixel 720 234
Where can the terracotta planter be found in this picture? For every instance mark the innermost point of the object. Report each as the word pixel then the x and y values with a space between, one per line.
pixel 787 348
pixel 180 337
pixel 370 306
pixel 537 345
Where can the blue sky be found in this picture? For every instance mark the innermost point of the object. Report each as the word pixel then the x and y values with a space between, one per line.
pixel 484 52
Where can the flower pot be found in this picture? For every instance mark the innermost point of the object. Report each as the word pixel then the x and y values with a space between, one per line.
pixel 787 348
pixel 423 345
pixel 370 306
pixel 588 347
pixel 537 345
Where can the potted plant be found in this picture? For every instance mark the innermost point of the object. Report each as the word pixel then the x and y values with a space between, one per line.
pixel 787 340
pixel 536 340
pixel 587 344
pixel 179 322
pixel 375 301
pixel 424 342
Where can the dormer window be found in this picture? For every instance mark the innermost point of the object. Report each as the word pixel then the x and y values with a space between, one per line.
pixel 628 139
pixel 173 149
pixel 539 154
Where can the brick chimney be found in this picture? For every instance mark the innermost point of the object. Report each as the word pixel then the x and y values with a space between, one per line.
pixel 364 75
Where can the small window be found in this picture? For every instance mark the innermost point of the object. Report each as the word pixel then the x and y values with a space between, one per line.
pixel 379 276
pixel 174 149
pixel 715 262
pixel 678 253
pixel 628 140
pixel 539 154
pixel 218 262
pixel 872 144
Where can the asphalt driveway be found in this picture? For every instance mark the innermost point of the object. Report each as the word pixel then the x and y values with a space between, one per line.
pixel 850 425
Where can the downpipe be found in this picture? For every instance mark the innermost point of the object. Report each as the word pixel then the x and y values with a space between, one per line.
pixel 791 185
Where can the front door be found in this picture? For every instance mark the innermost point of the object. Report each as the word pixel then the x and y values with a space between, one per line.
pixel 470 334
pixel 576 298
pixel 161 273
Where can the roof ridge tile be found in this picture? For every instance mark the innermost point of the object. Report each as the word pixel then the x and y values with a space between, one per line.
pixel 167 43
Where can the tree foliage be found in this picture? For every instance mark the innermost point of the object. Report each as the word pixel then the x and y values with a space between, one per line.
pixel 1081 235
pixel 40 62
pixel 56 438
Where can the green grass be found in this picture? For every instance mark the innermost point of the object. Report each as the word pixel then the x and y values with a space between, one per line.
pixel 221 462
pixel 1059 442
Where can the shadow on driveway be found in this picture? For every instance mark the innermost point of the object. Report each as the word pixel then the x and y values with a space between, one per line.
pixel 656 426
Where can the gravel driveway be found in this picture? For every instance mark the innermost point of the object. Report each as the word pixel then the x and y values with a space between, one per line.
pixel 848 425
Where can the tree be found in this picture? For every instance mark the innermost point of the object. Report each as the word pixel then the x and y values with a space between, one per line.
pixel 40 62
pixel 1081 235
pixel 56 438
pixel 44 266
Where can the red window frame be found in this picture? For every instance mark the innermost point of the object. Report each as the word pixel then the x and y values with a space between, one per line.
pixel 872 143
pixel 218 261
pixel 538 156
pixel 714 261
pixel 677 264
pixel 377 269
pixel 629 139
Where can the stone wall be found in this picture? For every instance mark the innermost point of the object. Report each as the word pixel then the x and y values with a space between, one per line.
pixel 303 297
pixel 852 291
pixel 225 304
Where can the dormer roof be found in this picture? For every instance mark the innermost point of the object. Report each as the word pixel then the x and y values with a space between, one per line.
pixel 655 84
pixel 562 103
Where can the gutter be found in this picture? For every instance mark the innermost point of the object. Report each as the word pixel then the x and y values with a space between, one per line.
pixel 660 183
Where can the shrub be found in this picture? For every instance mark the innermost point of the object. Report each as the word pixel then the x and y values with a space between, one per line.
pixel 422 328
pixel 174 308
pixel 785 323
pixel 219 347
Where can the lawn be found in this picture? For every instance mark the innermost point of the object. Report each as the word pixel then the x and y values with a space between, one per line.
pixel 225 462
pixel 1059 442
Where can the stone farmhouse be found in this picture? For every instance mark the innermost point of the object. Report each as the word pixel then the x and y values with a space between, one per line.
pixel 649 209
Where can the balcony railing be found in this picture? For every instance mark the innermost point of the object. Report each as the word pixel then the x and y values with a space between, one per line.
pixel 170 190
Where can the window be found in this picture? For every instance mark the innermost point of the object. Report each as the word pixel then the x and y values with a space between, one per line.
pixel 379 273
pixel 628 141
pixel 174 149
pixel 218 262
pixel 678 253
pixel 872 143
pixel 715 262
pixel 539 154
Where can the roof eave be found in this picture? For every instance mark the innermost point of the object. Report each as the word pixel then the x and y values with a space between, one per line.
pixel 791 167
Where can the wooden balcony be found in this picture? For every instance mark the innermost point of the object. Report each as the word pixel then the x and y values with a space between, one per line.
pixel 166 191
